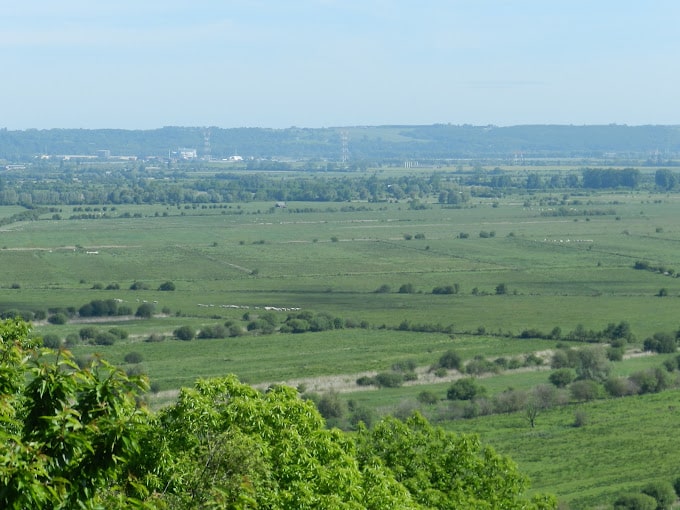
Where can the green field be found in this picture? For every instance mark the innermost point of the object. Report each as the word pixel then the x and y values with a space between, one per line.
pixel 563 261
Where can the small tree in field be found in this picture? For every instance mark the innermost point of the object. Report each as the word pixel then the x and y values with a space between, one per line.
pixel 465 389
pixel 450 360
pixel 167 286
pixel 185 333
pixel 145 310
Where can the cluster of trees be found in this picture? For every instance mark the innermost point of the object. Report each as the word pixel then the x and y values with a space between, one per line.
pixel 111 307
pixel 74 437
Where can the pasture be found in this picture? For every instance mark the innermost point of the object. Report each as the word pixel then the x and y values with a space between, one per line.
pixel 561 261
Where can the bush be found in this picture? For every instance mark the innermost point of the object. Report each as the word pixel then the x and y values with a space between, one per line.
pixel 139 286
pixel 105 338
pixel 662 492
pixel 407 288
pixel 57 318
pixel 216 331
pixel 479 365
pixel 562 377
pixel 145 310
pixel 661 343
pixel 52 341
pixel 465 389
pixel 133 357
pixel 451 360
pixel 88 333
pixel 185 333
pixel 365 380
pixel 635 502
pixel 331 406
pixel 620 387
pixel 652 380
pixel 119 332
pixel 389 379
pixel 155 337
pixel 580 418
pixel 383 289
pixel 585 390
pixel 427 397
pixel 167 286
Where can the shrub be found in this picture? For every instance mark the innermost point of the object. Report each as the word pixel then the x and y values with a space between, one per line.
pixel 450 360
pixel 662 492
pixel 57 318
pixel 52 341
pixel 510 401
pixel 139 286
pixel 216 331
pixel 167 286
pixel 479 365
pixel 562 377
pixel 585 390
pixel 427 397
pixel 580 418
pixel 155 337
pixel 620 387
pixel 119 332
pixel 383 289
pixel 113 286
pixel 615 353
pixel 365 380
pixel 185 333
pixel 652 380
pixel 389 379
pixel 407 288
pixel 145 310
pixel 105 338
pixel 87 333
pixel 331 406
pixel 661 343
pixel 465 389
pixel 133 357
pixel 635 502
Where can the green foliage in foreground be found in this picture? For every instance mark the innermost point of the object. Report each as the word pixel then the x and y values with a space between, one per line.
pixel 72 437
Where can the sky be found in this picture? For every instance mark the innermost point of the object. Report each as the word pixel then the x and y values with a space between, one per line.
pixel 144 64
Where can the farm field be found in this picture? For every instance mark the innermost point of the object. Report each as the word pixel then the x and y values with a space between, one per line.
pixel 532 261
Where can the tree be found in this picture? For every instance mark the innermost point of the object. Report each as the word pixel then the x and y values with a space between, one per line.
pixel 145 310
pixel 501 289
pixel 66 433
pixel 185 333
pixel 592 363
pixel 661 343
pixel 167 286
pixel 465 389
pixel 450 360
pixel 443 470
pixel 562 377
pixel 407 288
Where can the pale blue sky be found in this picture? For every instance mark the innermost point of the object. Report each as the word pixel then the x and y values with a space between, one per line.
pixel 315 63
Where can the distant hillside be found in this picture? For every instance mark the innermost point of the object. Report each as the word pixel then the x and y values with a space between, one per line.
pixel 372 143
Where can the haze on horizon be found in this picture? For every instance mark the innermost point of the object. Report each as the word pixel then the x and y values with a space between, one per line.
pixel 316 63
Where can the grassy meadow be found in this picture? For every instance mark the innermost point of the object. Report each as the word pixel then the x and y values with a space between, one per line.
pixel 562 261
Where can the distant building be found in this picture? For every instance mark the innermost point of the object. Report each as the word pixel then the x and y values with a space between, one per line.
pixel 103 154
pixel 185 153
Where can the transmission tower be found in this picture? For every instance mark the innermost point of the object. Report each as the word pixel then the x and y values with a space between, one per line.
pixel 206 145
pixel 344 137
